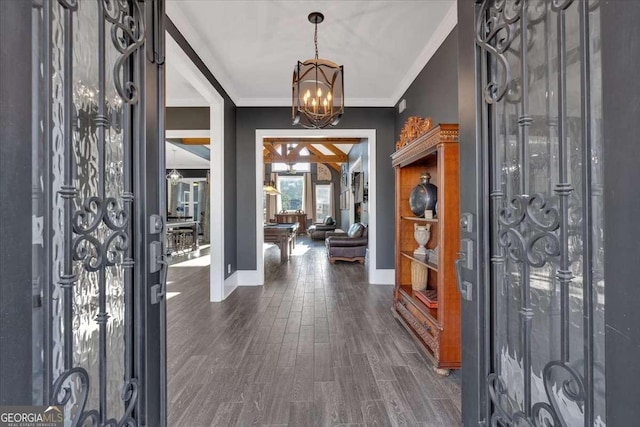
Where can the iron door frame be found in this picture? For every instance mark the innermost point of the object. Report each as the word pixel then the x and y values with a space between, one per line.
pixel 149 185
pixel 620 36
pixel 474 189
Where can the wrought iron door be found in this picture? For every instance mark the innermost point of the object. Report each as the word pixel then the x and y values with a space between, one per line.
pixel 89 122
pixel 541 120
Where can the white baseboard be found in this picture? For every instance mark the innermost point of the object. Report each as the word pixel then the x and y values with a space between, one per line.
pixel 230 285
pixel 248 278
pixel 382 277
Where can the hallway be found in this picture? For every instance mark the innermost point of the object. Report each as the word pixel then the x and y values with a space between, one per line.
pixel 315 346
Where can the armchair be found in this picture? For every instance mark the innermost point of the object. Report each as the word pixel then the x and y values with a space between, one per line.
pixel 318 230
pixel 349 246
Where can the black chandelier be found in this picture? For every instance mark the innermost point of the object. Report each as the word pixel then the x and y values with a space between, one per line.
pixel 318 88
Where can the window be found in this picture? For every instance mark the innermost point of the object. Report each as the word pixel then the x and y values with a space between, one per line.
pixel 323 201
pixel 296 167
pixel 291 192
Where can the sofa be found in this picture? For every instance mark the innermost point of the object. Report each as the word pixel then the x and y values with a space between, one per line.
pixel 319 230
pixel 349 246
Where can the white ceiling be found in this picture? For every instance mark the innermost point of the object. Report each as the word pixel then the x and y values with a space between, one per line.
pixel 180 158
pixel 179 92
pixel 252 46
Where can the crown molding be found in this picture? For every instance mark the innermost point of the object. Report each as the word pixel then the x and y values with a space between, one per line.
pixel 447 25
pixel 286 102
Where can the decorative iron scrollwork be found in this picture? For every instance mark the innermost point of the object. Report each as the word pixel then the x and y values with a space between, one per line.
pixel 572 388
pixel 127 35
pixel 62 394
pixel 528 228
pixel 84 126
pixel 94 254
pixel 558 5
pixel 130 395
pixel 495 31
pixel 543 414
pixel 69 4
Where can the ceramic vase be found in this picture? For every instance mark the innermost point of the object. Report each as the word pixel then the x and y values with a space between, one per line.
pixel 419 275
pixel 422 234
pixel 423 196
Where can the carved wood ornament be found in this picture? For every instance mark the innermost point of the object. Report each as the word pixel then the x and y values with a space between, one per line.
pixel 413 128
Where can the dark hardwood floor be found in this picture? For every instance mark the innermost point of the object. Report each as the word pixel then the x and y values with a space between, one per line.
pixel 315 346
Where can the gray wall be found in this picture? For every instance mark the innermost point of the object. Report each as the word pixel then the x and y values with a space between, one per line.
pixel 621 127
pixel 187 118
pixel 251 118
pixel 198 118
pixel 15 203
pixel 434 93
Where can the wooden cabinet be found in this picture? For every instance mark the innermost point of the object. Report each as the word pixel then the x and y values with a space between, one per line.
pixel 300 218
pixel 432 317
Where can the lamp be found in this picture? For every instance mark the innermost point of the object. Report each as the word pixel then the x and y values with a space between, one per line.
pixel 270 189
pixel 174 176
pixel 318 88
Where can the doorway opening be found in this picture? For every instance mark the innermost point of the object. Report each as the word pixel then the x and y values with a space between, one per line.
pixel 188 70
pixel 376 275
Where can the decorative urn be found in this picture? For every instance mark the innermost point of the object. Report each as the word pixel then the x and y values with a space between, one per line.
pixel 423 196
pixel 422 234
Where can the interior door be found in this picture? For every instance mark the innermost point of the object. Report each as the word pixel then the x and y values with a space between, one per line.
pixel 539 106
pixel 98 162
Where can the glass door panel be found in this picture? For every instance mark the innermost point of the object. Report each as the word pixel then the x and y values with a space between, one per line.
pixel 88 81
pixel 540 68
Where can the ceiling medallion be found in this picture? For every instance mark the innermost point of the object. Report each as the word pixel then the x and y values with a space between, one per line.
pixel 318 88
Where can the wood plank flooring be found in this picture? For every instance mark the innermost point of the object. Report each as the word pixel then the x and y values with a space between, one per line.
pixel 315 346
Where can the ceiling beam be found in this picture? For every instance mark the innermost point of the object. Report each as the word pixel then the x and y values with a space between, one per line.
pixel 335 166
pixel 317 152
pixel 333 148
pixel 271 149
pixel 296 150
pixel 307 141
pixel 313 158
pixel 195 141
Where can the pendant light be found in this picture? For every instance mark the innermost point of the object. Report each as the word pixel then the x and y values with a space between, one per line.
pixel 174 176
pixel 318 88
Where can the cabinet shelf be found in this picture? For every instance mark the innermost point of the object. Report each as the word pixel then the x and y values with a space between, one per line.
pixel 419 260
pixel 429 313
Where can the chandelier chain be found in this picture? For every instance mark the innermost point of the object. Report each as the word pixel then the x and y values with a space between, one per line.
pixel 315 39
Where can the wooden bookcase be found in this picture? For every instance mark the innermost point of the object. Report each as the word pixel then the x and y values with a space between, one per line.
pixel 437 328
